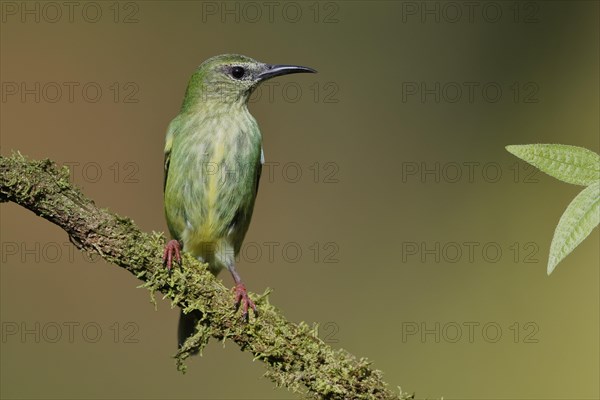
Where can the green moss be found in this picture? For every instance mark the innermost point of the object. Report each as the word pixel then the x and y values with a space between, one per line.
pixel 294 355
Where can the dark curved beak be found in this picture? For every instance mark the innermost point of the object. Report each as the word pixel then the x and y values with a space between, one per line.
pixel 272 71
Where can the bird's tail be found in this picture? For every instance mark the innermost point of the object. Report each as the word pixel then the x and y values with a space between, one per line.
pixel 187 326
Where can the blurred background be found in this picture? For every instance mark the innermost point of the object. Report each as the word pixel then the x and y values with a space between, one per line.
pixel 389 211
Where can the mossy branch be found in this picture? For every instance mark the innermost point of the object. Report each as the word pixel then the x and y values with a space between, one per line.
pixel 294 355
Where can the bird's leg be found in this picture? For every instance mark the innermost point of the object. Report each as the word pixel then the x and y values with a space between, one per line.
pixel 172 249
pixel 241 294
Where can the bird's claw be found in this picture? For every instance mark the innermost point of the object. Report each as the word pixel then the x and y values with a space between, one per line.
pixel 242 298
pixel 172 250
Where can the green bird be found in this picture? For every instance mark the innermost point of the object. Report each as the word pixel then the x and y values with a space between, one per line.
pixel 213 160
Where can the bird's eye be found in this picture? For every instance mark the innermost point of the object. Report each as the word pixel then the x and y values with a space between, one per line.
pixel 237 72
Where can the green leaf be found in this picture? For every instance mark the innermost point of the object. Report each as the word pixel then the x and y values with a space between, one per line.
pixel 578 220
pixel 570 164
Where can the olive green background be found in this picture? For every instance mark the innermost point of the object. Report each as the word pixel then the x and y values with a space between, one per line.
pixel 356 120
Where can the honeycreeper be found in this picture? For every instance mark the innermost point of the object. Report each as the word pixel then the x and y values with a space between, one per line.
pixel 213 161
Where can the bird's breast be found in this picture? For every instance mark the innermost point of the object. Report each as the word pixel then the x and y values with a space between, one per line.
pixel 212 177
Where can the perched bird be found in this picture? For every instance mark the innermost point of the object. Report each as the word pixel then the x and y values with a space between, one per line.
pixel 213 160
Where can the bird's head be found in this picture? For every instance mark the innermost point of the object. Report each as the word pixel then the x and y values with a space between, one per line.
pixel 231 78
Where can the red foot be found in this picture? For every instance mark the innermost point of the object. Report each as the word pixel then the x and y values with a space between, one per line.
pixel 242 298
pixel 173 248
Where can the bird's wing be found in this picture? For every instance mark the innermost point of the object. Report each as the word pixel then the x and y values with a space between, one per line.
pixel 168 146
pixel 167 161
pixel 259 168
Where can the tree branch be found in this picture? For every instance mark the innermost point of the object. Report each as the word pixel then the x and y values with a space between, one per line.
pixel 294 355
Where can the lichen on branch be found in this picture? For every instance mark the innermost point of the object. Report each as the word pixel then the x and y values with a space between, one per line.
pixel 294 355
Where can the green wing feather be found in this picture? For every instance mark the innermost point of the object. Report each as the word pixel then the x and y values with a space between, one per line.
pixel 168 146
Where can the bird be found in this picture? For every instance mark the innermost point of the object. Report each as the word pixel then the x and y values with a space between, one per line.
pixel 212 165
